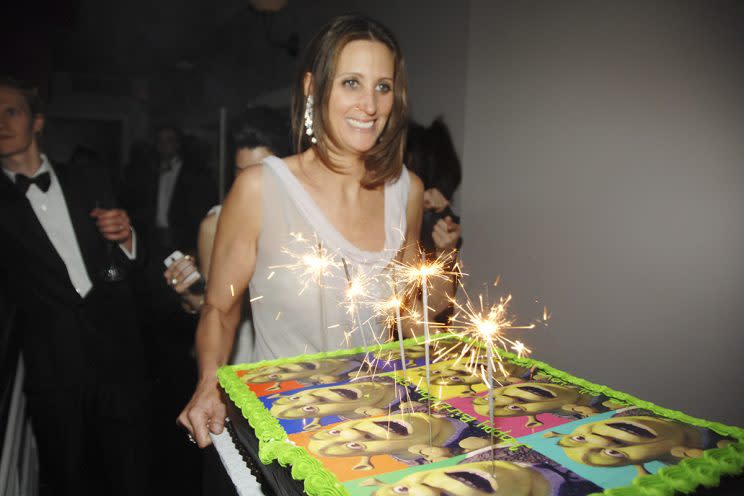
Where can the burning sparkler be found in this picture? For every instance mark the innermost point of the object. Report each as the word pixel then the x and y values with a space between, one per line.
pixel 311 261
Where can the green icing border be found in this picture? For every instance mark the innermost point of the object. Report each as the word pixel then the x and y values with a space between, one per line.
pixel 274 445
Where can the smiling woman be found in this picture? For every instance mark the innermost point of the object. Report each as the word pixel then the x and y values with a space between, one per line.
pixel 345 191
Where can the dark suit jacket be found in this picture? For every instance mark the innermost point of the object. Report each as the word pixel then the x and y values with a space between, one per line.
pixel 195 192
pixel 69 340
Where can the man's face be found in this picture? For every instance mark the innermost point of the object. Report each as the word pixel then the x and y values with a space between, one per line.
pixel 620 441
pixel 17 127
pixel 168 146
pixel 333 400
pixel 296 370
pixel 378 435
pixel 527 398
pixel 471 479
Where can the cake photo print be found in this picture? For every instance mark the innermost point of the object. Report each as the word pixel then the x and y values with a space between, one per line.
pixel 310 408
pixel 490 471
pixel 374 432
pixel 614 448
pixel 368 446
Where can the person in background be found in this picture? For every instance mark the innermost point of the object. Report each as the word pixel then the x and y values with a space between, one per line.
pixel 431 154
pixel 168 190
pixel 86 385
pixel 256 133
pixel 346 191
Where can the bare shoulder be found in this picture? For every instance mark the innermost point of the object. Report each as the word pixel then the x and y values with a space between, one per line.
pixel 417 186
pixel 248 181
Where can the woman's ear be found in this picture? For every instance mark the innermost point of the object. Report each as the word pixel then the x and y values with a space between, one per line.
pixel 307 83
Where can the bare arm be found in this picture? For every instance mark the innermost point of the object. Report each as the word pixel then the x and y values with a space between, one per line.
pixel 232 263
pixel 414 213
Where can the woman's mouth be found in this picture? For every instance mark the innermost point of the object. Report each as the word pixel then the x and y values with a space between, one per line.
pixel 360 124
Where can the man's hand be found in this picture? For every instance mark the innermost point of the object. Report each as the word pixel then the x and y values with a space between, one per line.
pixel 113 224
pixel 205 412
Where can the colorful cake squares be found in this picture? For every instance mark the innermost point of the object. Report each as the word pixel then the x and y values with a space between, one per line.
pixel 498 470
pixel 613 448
pixel 374 429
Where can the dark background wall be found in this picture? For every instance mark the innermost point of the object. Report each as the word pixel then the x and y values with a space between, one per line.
pixel 604 178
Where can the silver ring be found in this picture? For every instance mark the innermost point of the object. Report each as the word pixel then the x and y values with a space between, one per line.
pixel 174 281
pixel 191 438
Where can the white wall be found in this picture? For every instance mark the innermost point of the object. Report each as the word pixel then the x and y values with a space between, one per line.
pixel 603 177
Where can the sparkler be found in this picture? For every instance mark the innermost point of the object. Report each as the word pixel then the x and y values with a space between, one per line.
pixel 311 261
pixel 355 288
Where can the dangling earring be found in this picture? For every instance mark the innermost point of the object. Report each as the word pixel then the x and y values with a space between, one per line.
pixel 309 119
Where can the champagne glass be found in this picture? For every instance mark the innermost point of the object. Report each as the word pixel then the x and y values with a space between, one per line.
pixel 111 271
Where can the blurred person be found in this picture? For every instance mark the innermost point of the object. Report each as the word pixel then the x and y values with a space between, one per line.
pixel 347 192
pixel 256 133
pixel 431 155
pixel 85 382
pixel 168 189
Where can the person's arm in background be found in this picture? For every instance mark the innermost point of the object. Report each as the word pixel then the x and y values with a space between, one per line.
pixel 180 270
pixel 232 266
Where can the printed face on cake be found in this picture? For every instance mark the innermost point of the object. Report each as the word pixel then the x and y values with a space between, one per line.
pixel 461 373
pixel 403 435
pixel 322 370
pixel 349 398
pixel 471 479
pixel 530 398
pixel 632 440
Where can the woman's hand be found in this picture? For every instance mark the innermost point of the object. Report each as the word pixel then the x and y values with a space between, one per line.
pixel 205 412
pixel 182 274
pixel 446 234
pixel 435 200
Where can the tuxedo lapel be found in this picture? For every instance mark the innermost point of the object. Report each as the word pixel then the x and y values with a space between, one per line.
pixel 79 204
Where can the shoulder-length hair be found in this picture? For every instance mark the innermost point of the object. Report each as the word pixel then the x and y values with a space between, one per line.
pixel 384 161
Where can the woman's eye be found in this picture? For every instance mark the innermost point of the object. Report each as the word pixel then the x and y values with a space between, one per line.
pixel 400 490
pixel 383 87
pixel 294 398
pixel 355 446
pixel 578 439
pixel 515 408
pixel 334 432
pixel 351 83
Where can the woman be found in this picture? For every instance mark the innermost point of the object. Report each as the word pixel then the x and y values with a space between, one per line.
pixel 346 191
pixel 256 133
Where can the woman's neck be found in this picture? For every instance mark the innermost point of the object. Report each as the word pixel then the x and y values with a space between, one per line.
pixel 348 173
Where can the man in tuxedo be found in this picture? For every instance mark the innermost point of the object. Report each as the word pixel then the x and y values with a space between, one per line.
pixel 85 373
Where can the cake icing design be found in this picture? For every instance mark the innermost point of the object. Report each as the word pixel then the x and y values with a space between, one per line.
pixel 349 423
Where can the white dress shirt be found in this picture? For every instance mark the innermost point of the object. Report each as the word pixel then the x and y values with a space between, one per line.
pixel 51 210
pixel 166 185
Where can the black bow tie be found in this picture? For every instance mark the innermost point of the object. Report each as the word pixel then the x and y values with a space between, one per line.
pixel 42 181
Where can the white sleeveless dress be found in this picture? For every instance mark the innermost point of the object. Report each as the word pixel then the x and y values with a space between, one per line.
pixel 294 314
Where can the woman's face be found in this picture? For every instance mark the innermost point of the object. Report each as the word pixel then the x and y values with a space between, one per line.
pixel 245 157
pixel 361 95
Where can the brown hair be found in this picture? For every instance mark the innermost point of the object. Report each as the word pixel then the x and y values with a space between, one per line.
pixel 29 93
pixel 384 161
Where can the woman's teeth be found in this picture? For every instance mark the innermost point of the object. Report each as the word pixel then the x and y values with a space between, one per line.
pixel 360 124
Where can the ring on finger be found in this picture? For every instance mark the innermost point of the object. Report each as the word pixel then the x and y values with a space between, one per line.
pixel 174 281
pixel 191 438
